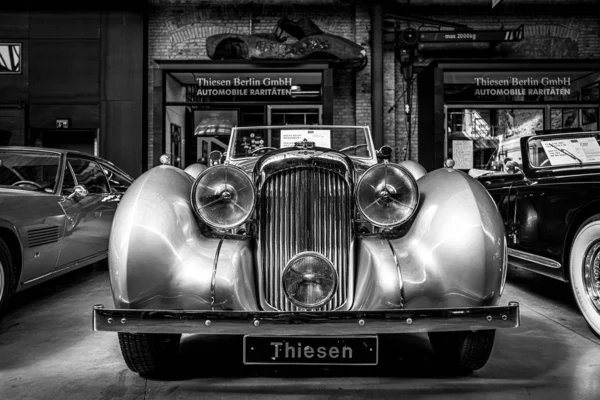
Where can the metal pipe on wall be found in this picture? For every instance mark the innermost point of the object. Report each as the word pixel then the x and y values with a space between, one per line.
pixel 377 74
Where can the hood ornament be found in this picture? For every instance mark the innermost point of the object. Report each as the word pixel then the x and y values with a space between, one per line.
pixel 305 144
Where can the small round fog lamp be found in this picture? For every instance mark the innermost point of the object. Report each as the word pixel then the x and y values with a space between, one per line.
pixel 309 280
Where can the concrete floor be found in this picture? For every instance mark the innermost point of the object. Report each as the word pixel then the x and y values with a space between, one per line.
pixel 49 351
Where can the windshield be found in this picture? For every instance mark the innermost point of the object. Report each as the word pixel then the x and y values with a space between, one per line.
pixel 566 149
pixel 558 150
pixel 28 170
pixel 256 141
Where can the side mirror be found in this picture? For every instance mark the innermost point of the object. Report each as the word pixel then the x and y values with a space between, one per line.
pixel 79 192
pixel 512 167
pixel 215 157
pixel 385 152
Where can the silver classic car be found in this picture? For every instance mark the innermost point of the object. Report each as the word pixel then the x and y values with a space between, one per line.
pixel 56 211
pixel 307 243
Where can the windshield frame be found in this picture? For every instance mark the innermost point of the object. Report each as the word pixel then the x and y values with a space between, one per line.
pixel 366 130
pixel 58 177
pixel 527 140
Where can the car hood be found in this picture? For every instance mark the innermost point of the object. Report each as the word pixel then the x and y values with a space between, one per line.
pixel 6 193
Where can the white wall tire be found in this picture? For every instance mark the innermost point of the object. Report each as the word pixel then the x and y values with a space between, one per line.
pixel 584 272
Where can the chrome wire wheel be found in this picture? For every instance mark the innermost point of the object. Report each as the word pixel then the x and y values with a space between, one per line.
pixel 591 274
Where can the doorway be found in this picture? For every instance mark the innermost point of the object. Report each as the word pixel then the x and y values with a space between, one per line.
pixel 294 114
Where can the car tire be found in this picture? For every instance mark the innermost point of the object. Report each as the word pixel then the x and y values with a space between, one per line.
pixel 149 354
pixel 584 271
pixel 460 353
pixel 6 273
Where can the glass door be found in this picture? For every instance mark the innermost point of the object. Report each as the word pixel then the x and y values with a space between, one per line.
pixel 294 114
pixel 483 137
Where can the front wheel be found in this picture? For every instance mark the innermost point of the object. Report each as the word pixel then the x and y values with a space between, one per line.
pixel 6 272
pixel 461 353
pixel 585 271
pixel 149 354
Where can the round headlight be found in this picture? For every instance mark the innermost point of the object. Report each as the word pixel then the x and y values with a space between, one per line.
pixel 223 196
pixel 387 195
pixel 309 280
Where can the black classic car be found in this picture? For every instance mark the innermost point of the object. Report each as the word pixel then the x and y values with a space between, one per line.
pixel 549 198
pixel 56 211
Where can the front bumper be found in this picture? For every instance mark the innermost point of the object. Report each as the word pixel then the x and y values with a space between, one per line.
pixel 306 323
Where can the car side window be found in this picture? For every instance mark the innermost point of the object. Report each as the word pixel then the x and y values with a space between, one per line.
pixel 89 174
pixel 68 181
pixel 118 181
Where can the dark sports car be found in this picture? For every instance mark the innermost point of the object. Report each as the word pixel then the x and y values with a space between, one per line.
pixel 56 211
pixel 549 198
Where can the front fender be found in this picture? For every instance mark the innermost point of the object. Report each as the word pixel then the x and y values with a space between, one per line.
pixel 159 258
pixel 453 255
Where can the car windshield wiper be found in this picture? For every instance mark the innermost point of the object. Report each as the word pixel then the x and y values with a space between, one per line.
pixel 353 147
pixel 573 156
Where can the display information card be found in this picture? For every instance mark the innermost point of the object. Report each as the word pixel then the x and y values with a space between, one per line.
pixel 321 137
pixel 462 154
pixel 564 151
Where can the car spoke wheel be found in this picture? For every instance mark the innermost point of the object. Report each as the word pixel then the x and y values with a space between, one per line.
pixel 5 276
pixel 149 354
pixel 460 353
pixel 585 271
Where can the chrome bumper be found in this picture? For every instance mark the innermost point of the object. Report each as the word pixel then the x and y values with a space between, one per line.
pixel 306 323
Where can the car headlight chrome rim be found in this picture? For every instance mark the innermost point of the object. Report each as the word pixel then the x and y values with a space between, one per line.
pixel 223 196
pixel 309 280
pixel 387 195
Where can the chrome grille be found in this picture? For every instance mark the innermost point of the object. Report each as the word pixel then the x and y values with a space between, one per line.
pixel 304 209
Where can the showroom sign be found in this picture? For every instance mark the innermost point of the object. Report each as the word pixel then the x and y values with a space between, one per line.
pixel 518 86
pixel 244 86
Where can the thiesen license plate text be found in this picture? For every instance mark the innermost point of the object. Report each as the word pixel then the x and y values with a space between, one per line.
pixel 310 350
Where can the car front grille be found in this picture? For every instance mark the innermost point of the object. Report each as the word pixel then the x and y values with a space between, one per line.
pixel 304 209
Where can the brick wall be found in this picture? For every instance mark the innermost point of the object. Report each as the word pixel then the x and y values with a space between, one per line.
pixel 178 29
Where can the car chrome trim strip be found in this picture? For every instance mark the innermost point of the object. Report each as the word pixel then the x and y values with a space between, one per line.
pixel 400 281
pixel 305 323
pixel 86 260
pixel 213 280
pixel 534 258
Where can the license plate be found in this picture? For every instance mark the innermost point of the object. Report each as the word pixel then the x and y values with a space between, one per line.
pixel 310 350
